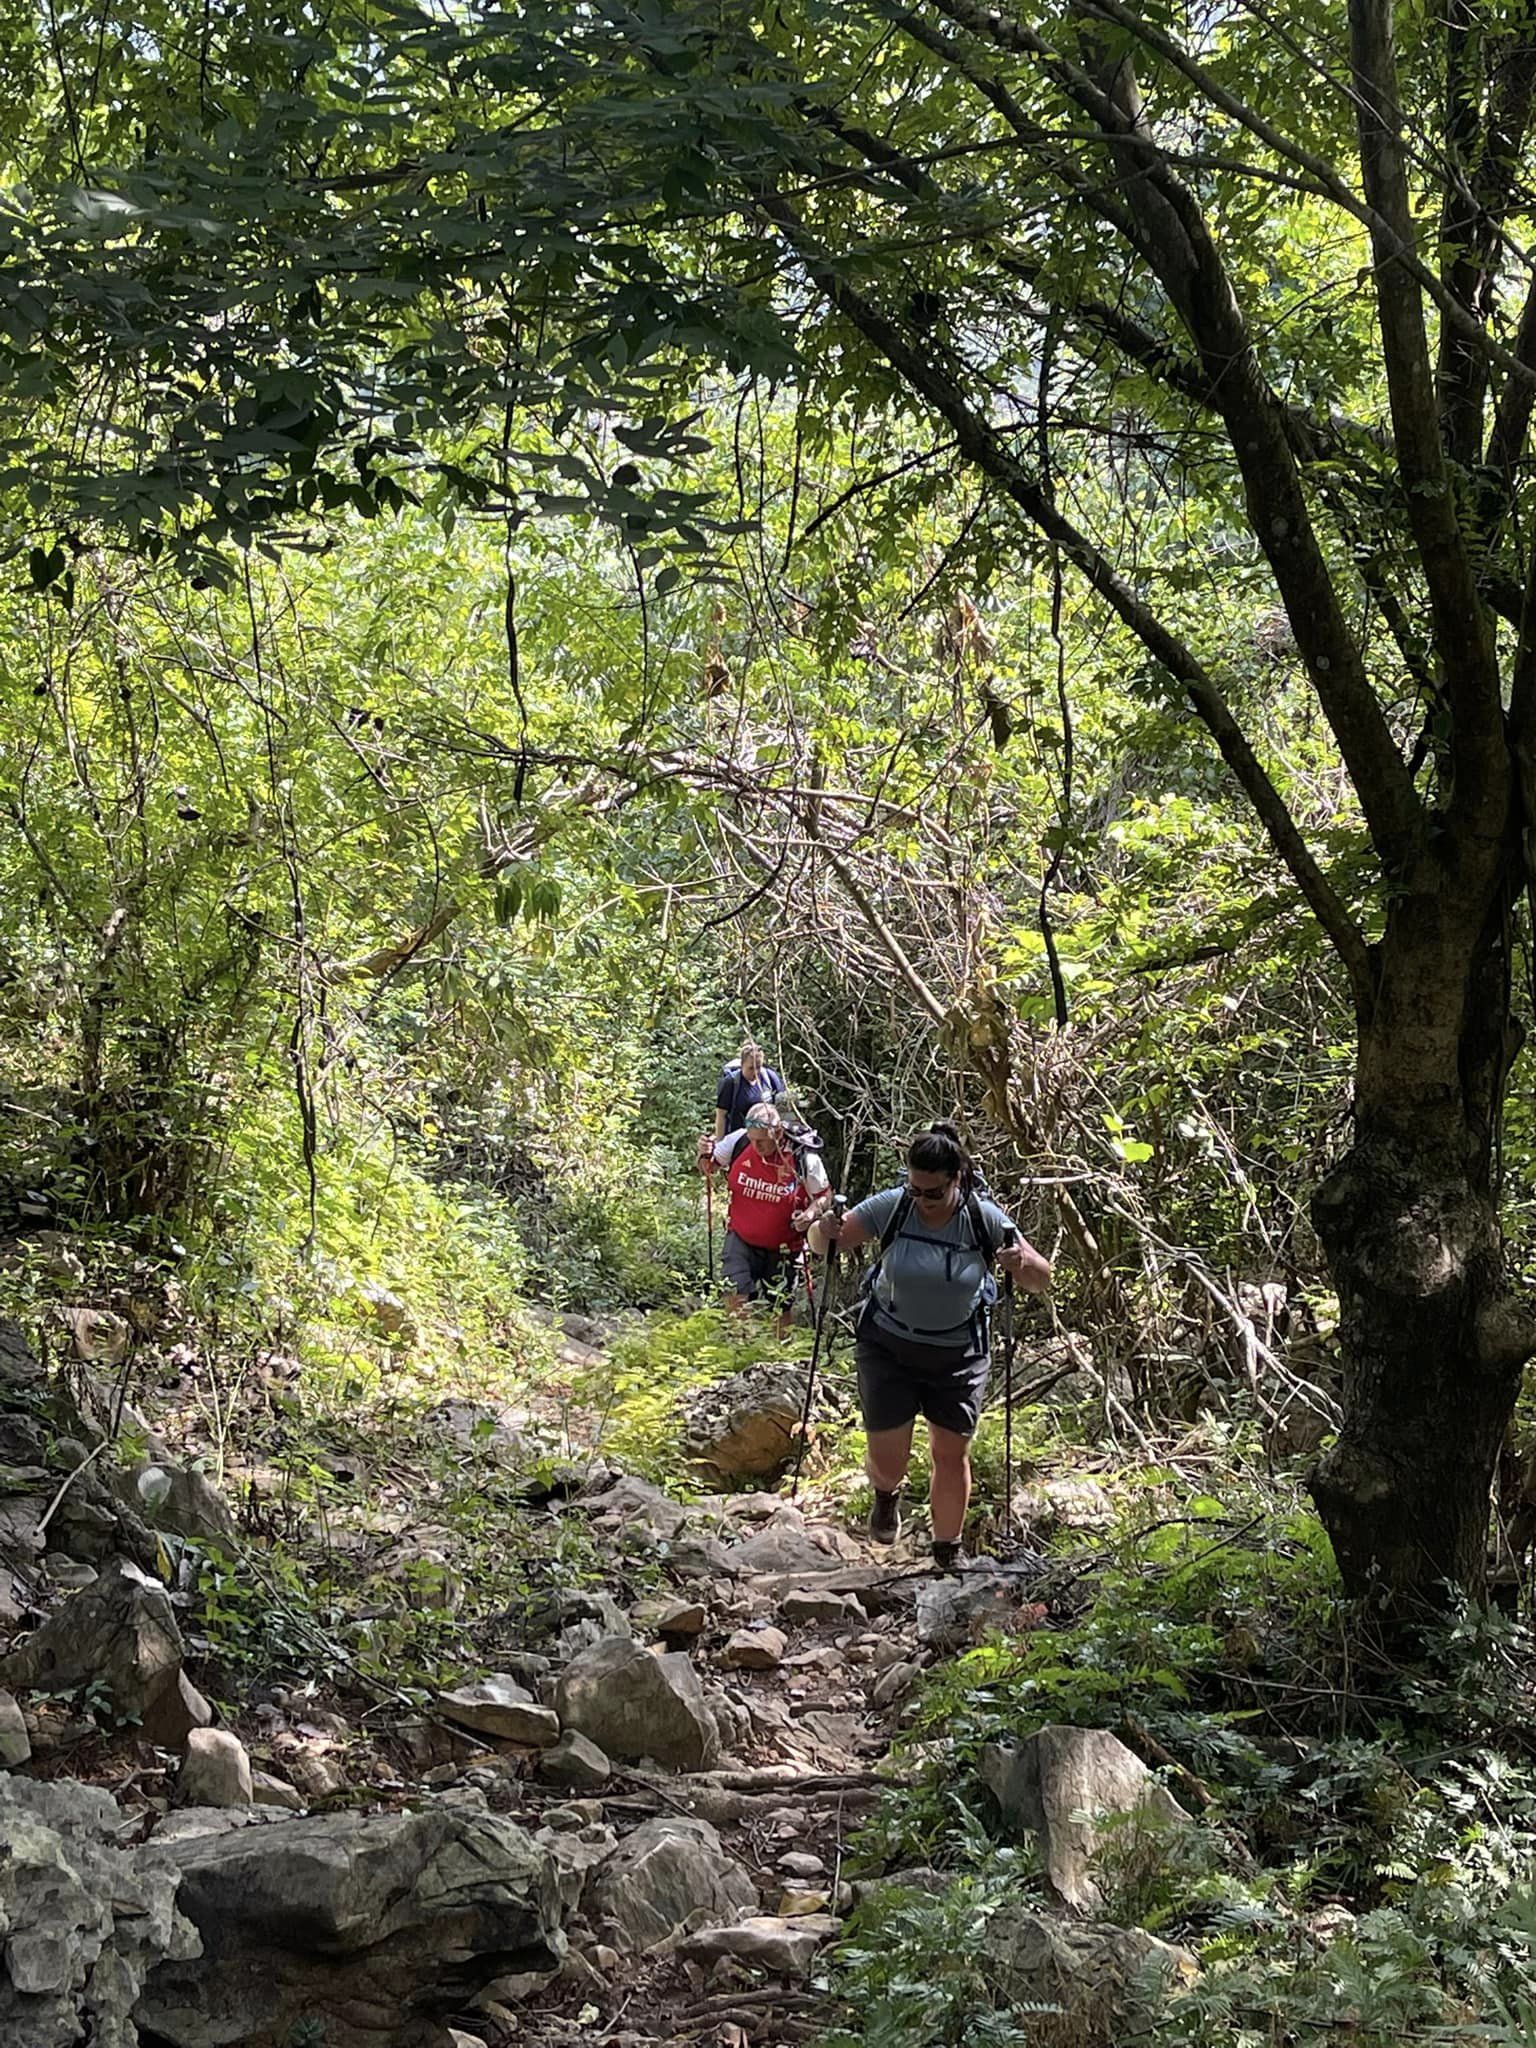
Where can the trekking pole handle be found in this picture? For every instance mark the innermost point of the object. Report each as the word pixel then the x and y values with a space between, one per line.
pixel 1010 1236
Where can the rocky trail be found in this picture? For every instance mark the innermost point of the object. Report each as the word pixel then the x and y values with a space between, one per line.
pixel 632 1824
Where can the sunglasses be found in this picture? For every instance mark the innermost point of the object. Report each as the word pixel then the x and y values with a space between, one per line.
pixel 929 1194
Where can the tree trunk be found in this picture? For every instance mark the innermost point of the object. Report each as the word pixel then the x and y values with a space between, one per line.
pixel 1432 1342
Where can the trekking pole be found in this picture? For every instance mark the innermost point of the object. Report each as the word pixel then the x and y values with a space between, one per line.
pixel 839 1204
pixel 709 1221
pixel 805 1275
pixel 1010 1238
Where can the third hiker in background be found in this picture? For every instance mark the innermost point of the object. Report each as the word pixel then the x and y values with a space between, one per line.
pixel 744 1084
pixel 922 1343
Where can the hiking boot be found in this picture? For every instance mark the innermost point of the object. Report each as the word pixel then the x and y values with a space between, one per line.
pixel 884 1517
pixel 948 1557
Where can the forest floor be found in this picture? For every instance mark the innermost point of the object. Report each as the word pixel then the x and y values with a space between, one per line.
pixel 1354 1828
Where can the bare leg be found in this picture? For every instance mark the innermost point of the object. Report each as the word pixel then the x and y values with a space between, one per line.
pixel 886 1456
pixel 950 1492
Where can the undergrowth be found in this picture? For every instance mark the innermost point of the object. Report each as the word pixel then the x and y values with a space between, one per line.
pixel 1357 1862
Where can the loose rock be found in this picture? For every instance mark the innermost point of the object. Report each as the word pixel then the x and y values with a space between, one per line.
pixel 670 1617
pixel 15 1743
pixel 1059 1783
pixel 779 1549
pixel 1100 1977
pixel 634 1705
pixel 746 1425
pixel 809 1605
pixel 575 1761
pixel 266 1790
pixel 633 1506
pixel 754 1649
pixel 665 1871
pixel 215 1771
pixel 501 1708
pixel 784 1946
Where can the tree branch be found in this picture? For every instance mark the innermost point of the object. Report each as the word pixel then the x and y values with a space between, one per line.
pixel 979 442
pixel 1463 629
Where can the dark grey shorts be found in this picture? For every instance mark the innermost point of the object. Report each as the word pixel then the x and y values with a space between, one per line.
pixel 755 1274
pixel 900 1380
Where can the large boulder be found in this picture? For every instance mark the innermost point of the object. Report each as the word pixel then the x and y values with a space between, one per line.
pixel 659 1877
pixel 178 1497
pixel 1062 1784
pixel 84 1923
pixel 121 1632
pixel 369 1927
pixel 745 1426
pixel 634 1704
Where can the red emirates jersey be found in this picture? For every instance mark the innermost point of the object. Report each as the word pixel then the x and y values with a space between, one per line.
pixel 765 1193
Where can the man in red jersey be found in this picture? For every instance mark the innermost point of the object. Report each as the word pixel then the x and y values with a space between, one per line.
pixel 775 1196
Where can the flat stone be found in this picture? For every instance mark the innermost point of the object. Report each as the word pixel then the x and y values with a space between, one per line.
pixel 786 1946
pixel 801 1863
pixel 672 1617
pixel 754 1649
pixel 267 1790
pixel 575 1761
pixel 781 1549
pixel 573 1813
pixel 810 1606
pixel 503 1709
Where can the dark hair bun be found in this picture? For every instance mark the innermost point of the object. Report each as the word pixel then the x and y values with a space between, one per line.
pixel 939 1150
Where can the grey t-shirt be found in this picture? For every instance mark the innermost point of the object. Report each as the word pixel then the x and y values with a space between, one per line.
pixel 931 1281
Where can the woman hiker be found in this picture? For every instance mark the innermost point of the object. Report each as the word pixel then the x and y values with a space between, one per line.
pixel 922 1341
pixel 777 1192
pixel 746 1082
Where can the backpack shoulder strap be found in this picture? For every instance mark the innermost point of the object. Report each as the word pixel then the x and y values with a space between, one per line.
pixel 897 1224
pixel 979 1228
pixel 739 1138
